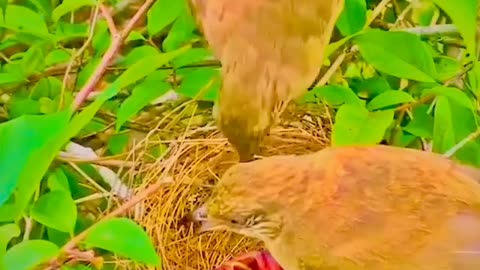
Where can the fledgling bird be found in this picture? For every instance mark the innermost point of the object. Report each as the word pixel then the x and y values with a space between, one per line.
pixel 354 208
pixel 271 51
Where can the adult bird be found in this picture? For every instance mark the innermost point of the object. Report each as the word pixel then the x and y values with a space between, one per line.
pixel 270 52
pixel 354 208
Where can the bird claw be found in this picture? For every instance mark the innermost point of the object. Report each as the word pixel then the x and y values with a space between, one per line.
pixel 257 260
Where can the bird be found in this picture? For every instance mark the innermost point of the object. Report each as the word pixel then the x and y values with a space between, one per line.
pixel 270 52
pixel 359 207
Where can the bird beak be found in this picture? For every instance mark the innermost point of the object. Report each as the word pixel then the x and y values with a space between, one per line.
pixel 207 224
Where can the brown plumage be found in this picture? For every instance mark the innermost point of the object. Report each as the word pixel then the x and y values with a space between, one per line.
pixel 354 208
pixel 270 51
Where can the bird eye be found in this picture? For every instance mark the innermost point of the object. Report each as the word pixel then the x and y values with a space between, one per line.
pixel 236 221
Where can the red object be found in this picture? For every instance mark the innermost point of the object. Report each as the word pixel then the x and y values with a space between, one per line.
pixel 257 260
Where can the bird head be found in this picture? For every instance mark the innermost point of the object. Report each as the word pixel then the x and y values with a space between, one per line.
pixel 238 207
pixel 244 133
pixel 245 119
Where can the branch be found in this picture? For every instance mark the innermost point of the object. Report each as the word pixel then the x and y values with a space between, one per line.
pixel 117 42
pixel 462 143
pixel 433 30
pixel 109 19
pixel 78 54
pixel 136 199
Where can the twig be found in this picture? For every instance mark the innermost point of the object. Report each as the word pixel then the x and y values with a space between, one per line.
pixel 429 98
pixel 462 143
pixel 117 42
pixel 338 62
pixel 77 55
pixel 70 246
pixel 410 105
pixel 109 19
pixel 92 197
pixel 88 178
pixel 133 201
pixel 378 9
pixel 28 228
pixel 102 162
pixel 402 15
pixel 440 29
pixel 326 77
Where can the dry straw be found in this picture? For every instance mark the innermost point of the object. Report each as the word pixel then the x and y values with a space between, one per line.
pixel 195 161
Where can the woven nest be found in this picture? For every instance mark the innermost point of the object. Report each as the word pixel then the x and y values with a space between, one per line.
pixel 194 162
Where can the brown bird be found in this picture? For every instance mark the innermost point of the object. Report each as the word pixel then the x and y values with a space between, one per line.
pixel 270 51
pixel 354 208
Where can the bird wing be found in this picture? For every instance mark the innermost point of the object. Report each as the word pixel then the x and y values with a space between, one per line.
pixel 465 227
pixel 283 39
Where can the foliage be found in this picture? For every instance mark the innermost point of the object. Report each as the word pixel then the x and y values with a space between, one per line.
pixel 395 84
pixel 416 89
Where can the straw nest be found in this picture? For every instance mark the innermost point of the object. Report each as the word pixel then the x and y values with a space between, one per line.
pixel 197 156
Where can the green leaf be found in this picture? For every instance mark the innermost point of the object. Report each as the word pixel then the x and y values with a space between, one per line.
pixel 33 61
pixel 57 56
pixel 3 7
pixel 146 66
pixel 81 119
pixel 370 87
pixel 153 87
pixel 22 106
pixel 44 7
pixel 57 180
pixel 398 54
pixel 8 78
pixel 137 54
pixel 200 83
pixel 389 98
pixel 135 35
pixel 333 95
pixel 57 210
pixel 9 212
pixel 474 79
pixel 87 71
pixel 464 124
pixel 68 6
pixel 402 139
pixel 421 124
pixel 57 237
pixel 24 20
pixel 443 132
pixel 29 143
pixel 423 12
pixel 192 56
pixel 181 31
pixel 7 233
pixel 28 254
pixel 96 125
pixel 447 68
pixel 117 143
pixel 355 125
pixel 124 237
pixel 50 87
pixel 353 17
pixel 163 13
pixel 66 32
pixel 101 38
pixel 464 15
pixel 334 46
pixel 452 93
pixel 47 105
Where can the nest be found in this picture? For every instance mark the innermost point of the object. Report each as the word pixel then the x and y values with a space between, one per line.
pixel 195 161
